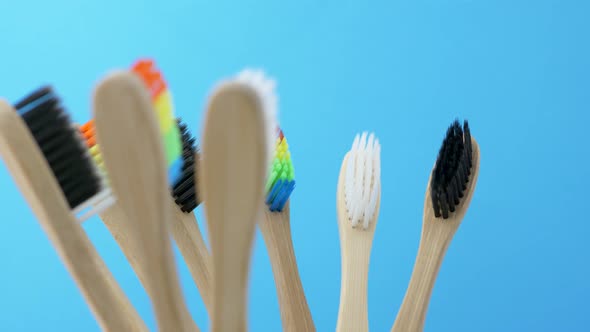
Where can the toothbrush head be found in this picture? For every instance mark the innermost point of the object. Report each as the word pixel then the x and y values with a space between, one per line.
pixel 150 75
pixel 184 191
pixel 281 179
pixel 362 182
pixel 154 81
pixel 175 170
pixel 455 171
pixel 64 150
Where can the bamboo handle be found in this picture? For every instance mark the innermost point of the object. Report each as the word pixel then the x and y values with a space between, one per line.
pixel 353 315
pixel 435 240
pixel 276 231
pixel 187 235
pixel 115 221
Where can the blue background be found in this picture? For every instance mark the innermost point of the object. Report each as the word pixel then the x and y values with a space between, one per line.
pixel 518 70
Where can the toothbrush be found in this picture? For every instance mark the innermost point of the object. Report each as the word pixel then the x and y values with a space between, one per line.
pixel 131 147
pixel 180 160
pixel 114 217
pixel 184 227
pixel 46 157
pixel 239 122
pixel 448 195
pixel 276 231
pixel 358 201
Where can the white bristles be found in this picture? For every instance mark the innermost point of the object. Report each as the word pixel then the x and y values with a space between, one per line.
pixel 363 179
pixel 264 86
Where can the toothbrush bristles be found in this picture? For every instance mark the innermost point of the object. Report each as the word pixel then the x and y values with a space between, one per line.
pixel 362 179
pixel 452 170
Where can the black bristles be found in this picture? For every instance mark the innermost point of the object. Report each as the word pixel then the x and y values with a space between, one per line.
pixel 452 170
pixel 184 192
pixel 61 145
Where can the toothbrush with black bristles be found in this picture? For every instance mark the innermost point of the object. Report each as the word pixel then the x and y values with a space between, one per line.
pixel 47 158
pixel 275 227
pixel 185 228
pixel 449 192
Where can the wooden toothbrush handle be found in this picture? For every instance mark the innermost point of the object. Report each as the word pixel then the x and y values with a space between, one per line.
pixel 353 315
pixel 187 235
pixel 434 242
pixel 115 220
pixel 32 174
pixel 295 313
pixel 230 289
pixel 111 307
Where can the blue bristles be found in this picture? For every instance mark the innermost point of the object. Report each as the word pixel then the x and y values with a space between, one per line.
pixel 279 195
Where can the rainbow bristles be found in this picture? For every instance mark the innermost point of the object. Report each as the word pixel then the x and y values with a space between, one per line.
pixel 89 135
pixel 162 99
pixel 281 179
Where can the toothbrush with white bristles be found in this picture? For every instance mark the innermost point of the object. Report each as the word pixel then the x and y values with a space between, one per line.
pixel 237 137
pixel 358 199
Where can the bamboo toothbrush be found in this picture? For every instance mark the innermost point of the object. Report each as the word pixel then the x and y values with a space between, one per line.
pixel 46 157
pixel 275 227
pixel 237 135
pixel 448 194
pixel 185 228
pixel 358 201
pixel 128 134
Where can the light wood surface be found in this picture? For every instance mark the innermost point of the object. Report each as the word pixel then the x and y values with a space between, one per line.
pixel 233 174
pixel 133 154
pixel 35 179
pixel 115 220
pixel 188 237
pixel 276 231
pixel 355 247
pixel 437 234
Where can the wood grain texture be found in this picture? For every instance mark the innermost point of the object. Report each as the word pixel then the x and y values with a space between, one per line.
pixel 355 247
pixel 116 222
pixel 188 237
pixel 35 179
pixel 276 231
pixel 437 234
pixel 233 173
pixel 133 154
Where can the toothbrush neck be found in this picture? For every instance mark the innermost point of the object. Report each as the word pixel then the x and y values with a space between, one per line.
pixel 356 251
pixel 435 239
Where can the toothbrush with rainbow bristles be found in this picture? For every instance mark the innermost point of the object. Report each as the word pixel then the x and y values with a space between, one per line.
pixel 358 202
pixel 131 146
pixel 276 231
pixel 163 105
pixel 181 158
